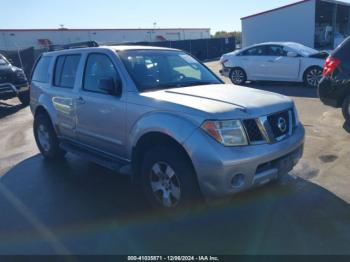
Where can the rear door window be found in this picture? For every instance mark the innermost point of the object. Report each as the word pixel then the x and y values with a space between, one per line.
pixel 276 50
pixel 66 70
pixel 41 71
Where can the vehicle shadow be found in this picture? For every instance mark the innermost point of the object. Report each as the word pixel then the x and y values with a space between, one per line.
pixel 283 88
pixel 76 207
pixel 7 109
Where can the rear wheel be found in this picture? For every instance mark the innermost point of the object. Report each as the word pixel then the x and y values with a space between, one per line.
pixel 238 76
pixel 46 139
pixel 346 108
pixel 168 180
pixel 313 76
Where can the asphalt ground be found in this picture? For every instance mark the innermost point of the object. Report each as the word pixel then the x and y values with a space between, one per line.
pixel 76 207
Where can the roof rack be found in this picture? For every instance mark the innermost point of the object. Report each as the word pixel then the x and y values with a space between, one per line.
pixel 73 46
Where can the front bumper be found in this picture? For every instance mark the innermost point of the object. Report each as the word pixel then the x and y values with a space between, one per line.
pixel 217 166
pixel 9 90
pixel 225 71
pixel 331 92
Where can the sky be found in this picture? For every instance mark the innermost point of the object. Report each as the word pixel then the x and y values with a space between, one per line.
pixel 215 14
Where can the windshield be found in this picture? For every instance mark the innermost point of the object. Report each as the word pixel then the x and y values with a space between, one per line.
pixel 303 50
pixel 158 69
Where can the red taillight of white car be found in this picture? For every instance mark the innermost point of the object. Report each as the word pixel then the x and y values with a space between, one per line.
pixel 330 66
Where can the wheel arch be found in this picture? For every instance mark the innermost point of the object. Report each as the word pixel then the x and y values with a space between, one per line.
pixel 40 109
pixel 310 67
pixel 152 139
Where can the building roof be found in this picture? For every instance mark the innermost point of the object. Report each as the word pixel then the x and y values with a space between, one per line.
pixel 293 4
pixel 97 29
pixel 276 9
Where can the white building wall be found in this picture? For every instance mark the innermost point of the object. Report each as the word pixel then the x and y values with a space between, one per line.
pixel 295 23
pixel 13 39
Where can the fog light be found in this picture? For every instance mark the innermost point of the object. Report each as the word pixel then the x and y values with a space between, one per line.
pixel 238 181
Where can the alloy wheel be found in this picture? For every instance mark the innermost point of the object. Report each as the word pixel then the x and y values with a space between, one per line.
pixel 313 77
pixel 237 76
pixel 165 184
pixel 44 138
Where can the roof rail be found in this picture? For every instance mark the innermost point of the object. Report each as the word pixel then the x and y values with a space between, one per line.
pixel 73 46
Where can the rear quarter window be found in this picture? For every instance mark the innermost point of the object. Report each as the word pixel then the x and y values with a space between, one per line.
pixel 41 70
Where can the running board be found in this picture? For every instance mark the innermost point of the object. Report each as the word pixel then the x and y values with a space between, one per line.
pixel 99 158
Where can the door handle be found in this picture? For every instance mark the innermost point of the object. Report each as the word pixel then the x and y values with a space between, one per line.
pixel 81 100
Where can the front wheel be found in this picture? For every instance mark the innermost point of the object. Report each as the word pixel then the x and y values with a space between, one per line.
pixel 313 76
pixel 346 108
pixel 46 139
pixel 238 76
pixel 168 179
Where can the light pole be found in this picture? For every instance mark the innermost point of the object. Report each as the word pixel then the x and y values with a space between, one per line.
pixel 18 51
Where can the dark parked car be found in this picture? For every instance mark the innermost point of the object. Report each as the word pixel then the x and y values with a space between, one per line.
pixel 334 88
pixel 13 82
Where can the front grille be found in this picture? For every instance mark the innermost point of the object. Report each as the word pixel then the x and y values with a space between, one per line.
pixel 5 79
pixel 279 123
pixel 272 128
pixel 253 130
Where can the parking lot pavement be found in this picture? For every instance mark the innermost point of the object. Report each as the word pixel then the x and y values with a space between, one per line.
pixel 76 207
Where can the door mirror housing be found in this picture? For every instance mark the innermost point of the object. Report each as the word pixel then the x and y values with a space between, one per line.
pixel 110 86
pixel 292 54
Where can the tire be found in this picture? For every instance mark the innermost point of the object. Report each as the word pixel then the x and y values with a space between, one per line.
pixel 24 98
pixel 168 180
pixel 46 138
pixel 312 76
pixel 346 108
pixel 238 76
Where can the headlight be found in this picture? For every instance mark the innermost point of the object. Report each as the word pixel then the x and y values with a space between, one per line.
pixel 20 74
pixel 228 133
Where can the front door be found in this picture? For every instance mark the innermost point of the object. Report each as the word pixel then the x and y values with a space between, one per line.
pixel 280 66
pixel 100 115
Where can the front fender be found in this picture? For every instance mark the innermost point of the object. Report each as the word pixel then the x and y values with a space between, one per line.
pixel 177 127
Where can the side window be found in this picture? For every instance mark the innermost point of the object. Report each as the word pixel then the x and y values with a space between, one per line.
pixel 98 67
pixel 255 51
pixel 276 50
pixel 41 71
pixel 66 70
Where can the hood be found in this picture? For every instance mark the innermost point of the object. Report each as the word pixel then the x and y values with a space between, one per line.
pixel 220 101
pixel 6 68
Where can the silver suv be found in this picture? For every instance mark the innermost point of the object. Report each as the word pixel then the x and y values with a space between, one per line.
pixel 164 118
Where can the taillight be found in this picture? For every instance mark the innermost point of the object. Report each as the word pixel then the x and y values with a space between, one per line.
pixel 330 66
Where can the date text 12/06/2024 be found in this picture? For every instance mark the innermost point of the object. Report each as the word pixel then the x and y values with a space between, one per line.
pixel 173 258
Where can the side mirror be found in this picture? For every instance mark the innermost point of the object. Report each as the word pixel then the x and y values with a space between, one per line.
pixel 110 86
pixel 292 54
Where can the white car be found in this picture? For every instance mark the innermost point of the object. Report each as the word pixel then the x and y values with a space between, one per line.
pixel 274 61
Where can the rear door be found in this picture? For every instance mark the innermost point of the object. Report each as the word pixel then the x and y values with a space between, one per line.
pixel 279 66
pixel 63 94
pixel 101 116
